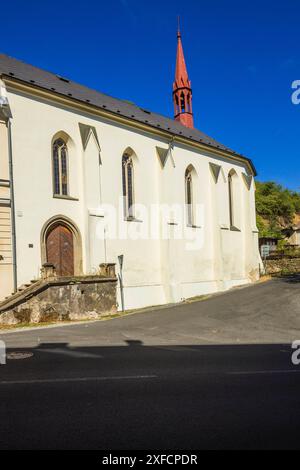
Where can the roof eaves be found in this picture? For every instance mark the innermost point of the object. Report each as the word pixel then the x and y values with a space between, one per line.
pixel 206 142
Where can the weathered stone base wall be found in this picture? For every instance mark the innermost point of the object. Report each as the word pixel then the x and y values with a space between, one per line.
pixel 60 300
pixel 284 265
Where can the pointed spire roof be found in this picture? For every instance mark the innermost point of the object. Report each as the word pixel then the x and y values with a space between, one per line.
pixel 181 75
pixel 182 89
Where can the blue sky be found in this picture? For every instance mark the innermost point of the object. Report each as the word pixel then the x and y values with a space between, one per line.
pixel 242 58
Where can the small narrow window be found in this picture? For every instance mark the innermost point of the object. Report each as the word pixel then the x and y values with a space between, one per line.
pixel 60 168
pixel 189 197
pixel 127 181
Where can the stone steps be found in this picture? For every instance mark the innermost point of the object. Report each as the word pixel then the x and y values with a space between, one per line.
pixel 21 289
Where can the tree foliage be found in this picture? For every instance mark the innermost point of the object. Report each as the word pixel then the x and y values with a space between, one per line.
pixel 276 208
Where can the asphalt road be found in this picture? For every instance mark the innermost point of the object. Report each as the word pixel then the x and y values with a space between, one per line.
pixel 215 374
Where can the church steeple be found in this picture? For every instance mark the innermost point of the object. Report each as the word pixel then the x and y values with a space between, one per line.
pixel 182 89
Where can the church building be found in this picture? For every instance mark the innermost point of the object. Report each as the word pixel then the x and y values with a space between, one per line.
pixel 87 179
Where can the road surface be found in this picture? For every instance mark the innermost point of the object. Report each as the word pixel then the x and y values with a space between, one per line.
pixel 214 374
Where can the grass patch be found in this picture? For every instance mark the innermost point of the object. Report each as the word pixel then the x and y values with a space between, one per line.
pixel 197 298
pixel 63 322
pixel 31 325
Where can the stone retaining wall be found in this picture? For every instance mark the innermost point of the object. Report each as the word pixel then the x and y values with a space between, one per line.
pixel 61 299
pixel 284 265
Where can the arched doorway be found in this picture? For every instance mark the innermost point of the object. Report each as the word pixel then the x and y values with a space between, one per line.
pixel 60 249
pixel 61 245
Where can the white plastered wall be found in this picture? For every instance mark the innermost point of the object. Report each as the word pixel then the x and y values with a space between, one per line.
pixel 155 271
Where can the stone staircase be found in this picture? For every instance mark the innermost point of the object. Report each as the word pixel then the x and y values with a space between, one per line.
pixel 55 298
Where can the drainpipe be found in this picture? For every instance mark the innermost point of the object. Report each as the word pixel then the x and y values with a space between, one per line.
pixel 12 207
pixel 120 276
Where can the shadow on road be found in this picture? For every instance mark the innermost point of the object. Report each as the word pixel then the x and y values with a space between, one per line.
pixel 138 356
pixel 150 397
pixel 291 278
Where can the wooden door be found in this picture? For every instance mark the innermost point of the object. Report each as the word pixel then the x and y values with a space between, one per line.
pixel 60 250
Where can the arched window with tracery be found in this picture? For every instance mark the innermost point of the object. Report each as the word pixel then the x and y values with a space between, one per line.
pixel 60 167
pixel 189 196
pixel 234 200
pixel 127 181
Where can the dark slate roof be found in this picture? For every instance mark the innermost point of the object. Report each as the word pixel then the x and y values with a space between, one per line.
pixel 19 70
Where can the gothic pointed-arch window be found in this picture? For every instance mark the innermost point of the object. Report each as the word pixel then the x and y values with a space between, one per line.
pixel 188 100
pixel 127 181
pixel 231 199
pixel 177 104
pixel 189 197
pixel 60 167
pixel 182 102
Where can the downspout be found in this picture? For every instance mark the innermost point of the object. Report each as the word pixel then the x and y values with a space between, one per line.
pixel 12 207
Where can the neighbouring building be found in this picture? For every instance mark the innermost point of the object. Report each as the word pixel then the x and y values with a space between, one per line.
pixel 267 245
pixel 69 153
pixel 293 235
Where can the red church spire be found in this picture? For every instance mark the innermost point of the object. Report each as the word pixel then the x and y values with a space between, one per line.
pixel 182 90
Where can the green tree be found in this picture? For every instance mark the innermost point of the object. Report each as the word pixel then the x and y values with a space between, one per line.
pixel 276 208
